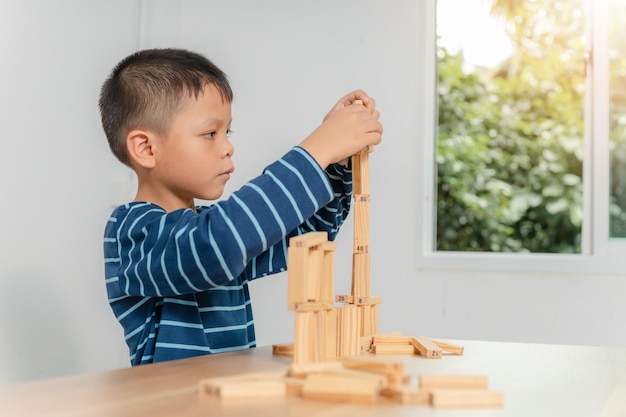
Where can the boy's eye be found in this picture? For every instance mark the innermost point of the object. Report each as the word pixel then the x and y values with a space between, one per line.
pixel 211 135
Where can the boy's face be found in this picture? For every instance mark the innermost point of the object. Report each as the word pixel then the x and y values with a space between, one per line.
pixel 194 159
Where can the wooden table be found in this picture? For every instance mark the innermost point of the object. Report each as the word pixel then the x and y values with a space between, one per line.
pixel 537 380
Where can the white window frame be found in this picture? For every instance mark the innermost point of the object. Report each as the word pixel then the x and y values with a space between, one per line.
pixel 599 254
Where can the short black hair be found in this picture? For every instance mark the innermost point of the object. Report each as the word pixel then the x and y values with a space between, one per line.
pixel 146 90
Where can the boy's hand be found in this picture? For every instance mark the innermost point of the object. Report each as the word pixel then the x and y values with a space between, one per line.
pixel 347 129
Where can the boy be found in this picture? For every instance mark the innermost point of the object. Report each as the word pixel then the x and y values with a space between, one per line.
pixel 176 274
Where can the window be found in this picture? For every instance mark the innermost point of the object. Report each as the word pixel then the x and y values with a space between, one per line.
pixel 528 152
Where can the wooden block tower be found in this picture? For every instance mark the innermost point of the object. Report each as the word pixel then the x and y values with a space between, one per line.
pixel 361 260
pixel 323 331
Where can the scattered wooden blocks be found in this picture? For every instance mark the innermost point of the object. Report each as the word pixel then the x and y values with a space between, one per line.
pixel 361 379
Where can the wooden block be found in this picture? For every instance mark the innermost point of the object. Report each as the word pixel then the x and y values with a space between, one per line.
pixel 308 240
pixel 427 347
pixel 366 343
pixel 447 347
pixel 380 379
pixel 373 364
pixel 255 389
pixel 393 349
pixel 392 371
pixel 390 334
pixel 344 299
pixel 360 174
pixel 251 385
pixel 304 321
pixel 433 382
pixel 361 274
pixel 330 335
pixel 282 349
pixel 339 331
pixel 293 386
pixel 365 319
pixel 448 398
pixel 315 274
pixel 302 370
pixel 368 300
pixel 247 377
pixel 328 246
pixel 349 331
pixel 312 306
pixel 328 276
pixel 393 340
pixel 399 379
pixel 375 317
pixel 297 270
pixel 340 388
pixel 405 395
pixel 361 223
pixel 316 338
pixel 356 174
pixel 358 102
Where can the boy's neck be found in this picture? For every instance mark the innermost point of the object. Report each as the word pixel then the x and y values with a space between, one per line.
pixel 164 200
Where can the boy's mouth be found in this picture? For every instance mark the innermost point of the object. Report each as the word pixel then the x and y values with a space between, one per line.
pixel 226 174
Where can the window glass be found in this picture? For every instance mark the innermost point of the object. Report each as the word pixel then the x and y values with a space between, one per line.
pixel 509 153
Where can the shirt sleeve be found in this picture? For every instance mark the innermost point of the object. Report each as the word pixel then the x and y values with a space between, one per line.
pixel 150 252
pixel 329 218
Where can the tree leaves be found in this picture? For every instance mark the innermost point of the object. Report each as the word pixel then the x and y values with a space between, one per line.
pixel 510 139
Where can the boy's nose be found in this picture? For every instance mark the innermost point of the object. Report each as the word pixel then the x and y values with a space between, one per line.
pixel 229 149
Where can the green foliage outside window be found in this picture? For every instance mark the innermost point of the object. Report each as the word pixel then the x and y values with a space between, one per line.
pixel 510 139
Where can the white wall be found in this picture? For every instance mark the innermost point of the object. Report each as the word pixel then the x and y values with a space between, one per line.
pixel 288 63
pixel 56 177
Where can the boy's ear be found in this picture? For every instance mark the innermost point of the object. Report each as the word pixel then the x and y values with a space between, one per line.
pixel 140 146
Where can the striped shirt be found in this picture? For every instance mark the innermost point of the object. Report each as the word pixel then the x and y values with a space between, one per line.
pixel 178 282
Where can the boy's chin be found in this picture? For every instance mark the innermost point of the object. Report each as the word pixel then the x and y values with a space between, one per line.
pixel 214 195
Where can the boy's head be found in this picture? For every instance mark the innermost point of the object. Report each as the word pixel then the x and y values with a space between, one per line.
pixel 148 88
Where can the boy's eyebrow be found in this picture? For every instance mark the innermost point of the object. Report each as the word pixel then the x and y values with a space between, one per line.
pixel 211 120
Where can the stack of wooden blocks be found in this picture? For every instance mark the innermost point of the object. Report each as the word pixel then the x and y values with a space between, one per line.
pixel 323 331
pixel 361 299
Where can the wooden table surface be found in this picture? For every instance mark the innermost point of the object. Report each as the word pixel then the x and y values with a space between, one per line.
pixel 537 380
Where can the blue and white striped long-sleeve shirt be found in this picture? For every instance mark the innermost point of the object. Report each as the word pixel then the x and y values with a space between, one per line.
pixel 178 282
